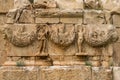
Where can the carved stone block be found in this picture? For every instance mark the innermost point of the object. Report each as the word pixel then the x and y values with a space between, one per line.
pixel 65 73
pixel 71 20
pixel 92 4
pixel 19 36
pixel 100 34
pixel 51 13
pixel 118 31
pixel 47 20
pixel 27 16
pixel 62 37
pixel 11 16
pixel 5 5
pixel 101 73
pixel 46 3
pixel 94 17
pixel 21 3
pixel 2 19
pixel 70 4
pixel 47 13
pixel 116 56
pixel 18 73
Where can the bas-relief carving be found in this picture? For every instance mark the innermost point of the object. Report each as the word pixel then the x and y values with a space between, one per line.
pixel 100 35
pixel 77 40
pixel 80 37
pixel 42 37
pixel 61 36
pixel 19 36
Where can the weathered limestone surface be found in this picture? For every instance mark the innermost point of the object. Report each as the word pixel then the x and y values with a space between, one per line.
pixel 47 3
pixel 94 17
pixel 2 19
pixel 26 34
pixel 73 38
pixel 17 73
pixel 92 4
pixel 26 17
pixel 70 4
pixel 100 73
pixel 110 4
pixel 5 5
pixel 116 72
pixel 20 3
pixel 66 73
pixel 47 20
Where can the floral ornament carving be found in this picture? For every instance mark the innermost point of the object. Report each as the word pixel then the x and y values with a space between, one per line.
pixel 100 35
pixel 20 37
pixel 62 37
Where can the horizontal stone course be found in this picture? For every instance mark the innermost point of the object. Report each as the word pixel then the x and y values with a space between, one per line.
pixel 59 72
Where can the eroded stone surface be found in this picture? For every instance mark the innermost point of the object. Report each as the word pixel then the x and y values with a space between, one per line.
pixel 46 3
pixel 94 17
pixel 66 73
pixel 116 19
pixel 17 73
pixel 6 5
pixel 27 16
pixel 116 72
pixel 101 73
pixel 110 4
pixel 92 4
pixel 70 4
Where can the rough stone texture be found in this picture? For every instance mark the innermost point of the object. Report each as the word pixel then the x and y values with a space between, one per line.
pixel 2 19
pixel 71 20
pixel 20 3
pixel 47 20
pixel 5 5
pixel 101 73
pixel 65 73
pixel 116 54
pixel 94 17
pixel 110 4
pixel 70 4
pixel 92 4
pixel 27 16
pixel 72 38
pixel 27 33
pixel 47 3
pixel 116 72
pixel 51 13
pixel 17 73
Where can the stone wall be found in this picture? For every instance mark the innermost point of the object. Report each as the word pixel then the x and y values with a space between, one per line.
pixel 59 39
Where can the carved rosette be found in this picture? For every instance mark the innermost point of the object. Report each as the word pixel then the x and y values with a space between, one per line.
pixel 100 35
pixel 62 37
pixel 20 37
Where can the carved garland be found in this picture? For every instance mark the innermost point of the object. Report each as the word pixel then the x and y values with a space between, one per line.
pixel 20 38
pixel 100 36
pixel 62 38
